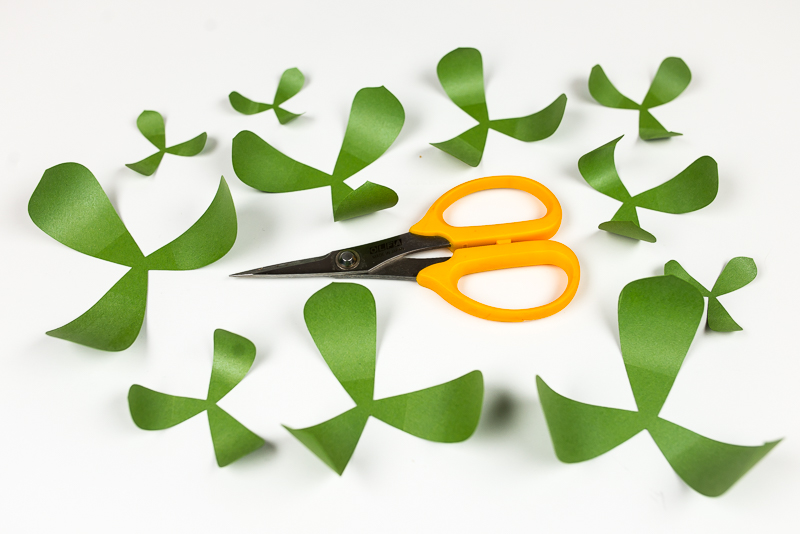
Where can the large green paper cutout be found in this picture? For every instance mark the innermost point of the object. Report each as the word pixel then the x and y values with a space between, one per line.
pixel 461 74
pixel 341 319
pixel 292 81
pixel 151 124
pixel 736 274
pixel 233 357
pixel 658 319
pixel 70 206
pixel 376 119
pixel 672 77
pixel 694 188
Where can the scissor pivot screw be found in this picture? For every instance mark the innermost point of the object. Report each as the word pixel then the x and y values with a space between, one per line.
pixel 347 260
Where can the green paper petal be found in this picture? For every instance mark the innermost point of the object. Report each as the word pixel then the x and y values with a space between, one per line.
pixel 368 198
pixel 335 440
pixel 468 147
pixel 151 124
pixel 650 129
pixel 461 74
pixel 148 165
pixel 534 127
pixel 284 116
pixel 674 268
pixel 737 273
pixel 209 239
pixel 719 320
pixel 376 118
pixel 152 410
pixel 232 439
pixel 192 147
pixel 261 166
pixel 707 466
pixel 446 413
pixel 628 229
pixel 114 322
pixel 658 319
pixel 292 81
pixel 244 105
pixel 341 319
pixel 602 90
pixel 694 188
pixel 70 206
pixel 598 169
pixel 672 77
pixel 581 431
pixel 233 357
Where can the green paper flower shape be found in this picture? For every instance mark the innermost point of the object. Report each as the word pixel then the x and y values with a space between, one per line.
pixel 70 206
pixel 151 124
pixel 461 74
pixel 290 84
pixel 341 319
pixel 658 319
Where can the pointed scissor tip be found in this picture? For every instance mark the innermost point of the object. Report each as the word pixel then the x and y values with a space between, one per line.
pixel 251 272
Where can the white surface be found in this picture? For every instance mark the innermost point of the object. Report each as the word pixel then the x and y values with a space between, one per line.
pixel 77 74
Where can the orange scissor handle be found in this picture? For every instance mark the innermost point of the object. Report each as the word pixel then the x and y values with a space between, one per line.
pixel 433 223
pixel 443 277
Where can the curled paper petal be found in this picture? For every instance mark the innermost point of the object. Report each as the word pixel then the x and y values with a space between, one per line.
pixel 152 410
pixel 362 201
pixel 291 82
pixel 151 125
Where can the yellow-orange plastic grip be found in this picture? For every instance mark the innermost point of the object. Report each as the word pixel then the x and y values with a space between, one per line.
pixel 443 277
pixel 433 223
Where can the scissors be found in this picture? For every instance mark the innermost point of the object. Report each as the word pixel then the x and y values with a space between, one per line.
pixel 475 249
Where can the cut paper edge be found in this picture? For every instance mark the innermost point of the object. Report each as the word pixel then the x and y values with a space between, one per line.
pixel 627 229
pixel 149 165
pixel 468 146
pixel 368 198
pixel 335 440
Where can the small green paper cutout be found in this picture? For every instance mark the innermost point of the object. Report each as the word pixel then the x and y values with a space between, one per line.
pixel 672 77
pixel 461 74
pixel 736 274
pixel 694 188
pixel 151 124
pixel 658 319
pixel 292 81
pixel 341 319
pixel 376 118
pixel 70 206
pixel 233 357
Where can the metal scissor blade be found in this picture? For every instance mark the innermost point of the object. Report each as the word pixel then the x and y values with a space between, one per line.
pixel 320 266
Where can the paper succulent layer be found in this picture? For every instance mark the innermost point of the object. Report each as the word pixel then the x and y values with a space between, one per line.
pixel 376 118
pixel 693 188
pixel 151 124
pixel 233 357
pixel 658 319
pixel 70 206
pixel 341 319
pixel 461 74
pixel 291 82
pixel 672 77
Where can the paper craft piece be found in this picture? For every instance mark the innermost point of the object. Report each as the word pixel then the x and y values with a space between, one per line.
pixel 233 357
pixel 461 75
pixel 291 82
pixel 658 318
pixel 341 319
pixel 376 119
pixel 70 206
pixel 672 77
pixel 694 188
pixel 737 273
pixel 151 124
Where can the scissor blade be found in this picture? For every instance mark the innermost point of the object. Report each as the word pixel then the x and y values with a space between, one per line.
pixel 320 266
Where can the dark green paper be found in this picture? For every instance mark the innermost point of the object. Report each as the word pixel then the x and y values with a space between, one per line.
pixel 341 319
pixel 376 119
pixel 737 273
pixel 233 357
pixel 151 124
pixel 292 81
pixel 694 188
pixel 70 206
pixel 672 77
pixel 461 74
pixel 658 319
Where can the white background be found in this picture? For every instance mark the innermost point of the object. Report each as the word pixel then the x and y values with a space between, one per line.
pixel 75 75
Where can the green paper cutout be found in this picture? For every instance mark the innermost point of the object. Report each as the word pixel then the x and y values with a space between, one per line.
pixel 292 81
pixel 736 274
pixel 658 319
pixel 233 357
pixel 461 74
pixel 341 320
pixel 376 118
pixel 70 206
pixel 693 188
pixel 151 124
pixel 672 77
